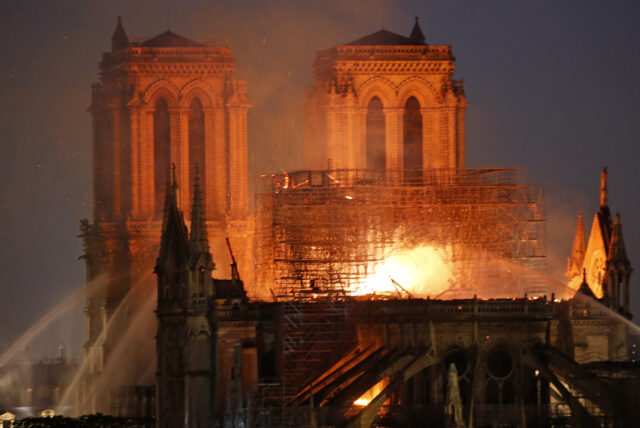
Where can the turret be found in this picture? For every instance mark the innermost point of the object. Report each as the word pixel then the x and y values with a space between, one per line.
pixel 417 36
pixel 173 249
pixel 578 250
pixel 119 40
pixel 584 287
pixel 619 269
pixel 200 263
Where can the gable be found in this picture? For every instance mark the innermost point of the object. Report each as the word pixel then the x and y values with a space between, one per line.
pixel 595 257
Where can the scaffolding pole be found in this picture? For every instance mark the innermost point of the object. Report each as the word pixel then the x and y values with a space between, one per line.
pixel 321 233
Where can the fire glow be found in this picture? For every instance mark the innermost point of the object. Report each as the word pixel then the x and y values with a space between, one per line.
pixel 371 393
pixel 420 272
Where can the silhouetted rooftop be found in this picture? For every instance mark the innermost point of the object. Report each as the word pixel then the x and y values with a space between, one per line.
pixel 384 37
pixel 170 39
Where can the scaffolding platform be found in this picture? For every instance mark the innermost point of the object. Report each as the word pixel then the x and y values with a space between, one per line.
pixel 321 234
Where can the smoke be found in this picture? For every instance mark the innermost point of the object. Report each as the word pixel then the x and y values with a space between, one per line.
pixel 275 44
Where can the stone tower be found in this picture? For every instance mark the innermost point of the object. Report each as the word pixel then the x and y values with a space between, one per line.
pixel 385 102
pixel 164 101
pixel 603 258
pixel 207 329
pixel 184 339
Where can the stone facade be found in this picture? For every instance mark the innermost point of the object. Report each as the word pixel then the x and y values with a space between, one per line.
pixel 385 102
pixel 160 102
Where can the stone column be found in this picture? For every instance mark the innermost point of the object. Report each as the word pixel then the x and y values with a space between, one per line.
pixel 144 163
pixel 216 147
pixel 393 142
pixel 180 157
pixel 436 139
pixel 208 170
pixel 342 138
pixel 350 133
pixel 461 136
pixel 428 152
pixel 115 197
pixel 134 160
pixel 626 302
pixel 238 186
pixel 452 137
pixel 360 138
pixel 97 128
pixel 443 138
pixel 608 291
pixel 332 134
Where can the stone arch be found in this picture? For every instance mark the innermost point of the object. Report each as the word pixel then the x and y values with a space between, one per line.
pixel 420 89
pixel 412 138
pixel 198 89
pixel 377 87
pixel 500 368
pixel 375 134
pixel 160 88
pixel 459 356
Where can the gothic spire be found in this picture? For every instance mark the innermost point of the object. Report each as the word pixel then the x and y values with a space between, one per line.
pixel 579 241
pixel 198 240
pixel 617 250
pixel 171 194
pixel 174 231
pixel 578 250
pixel 119 39
pixel 603 188
pixel 416 34
pixel 604 214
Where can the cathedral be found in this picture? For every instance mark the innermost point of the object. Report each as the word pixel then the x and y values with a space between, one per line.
pixel 486 343
pixel 602 259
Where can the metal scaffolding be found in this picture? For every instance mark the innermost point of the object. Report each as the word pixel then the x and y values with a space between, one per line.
pixel 321 233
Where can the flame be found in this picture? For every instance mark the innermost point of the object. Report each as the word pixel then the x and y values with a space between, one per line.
pixel 371 393
pixel 420 271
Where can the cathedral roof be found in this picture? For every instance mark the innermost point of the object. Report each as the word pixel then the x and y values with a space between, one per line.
pixel 170 39
pixel 387 38
pixel 229 289
pixel 384 37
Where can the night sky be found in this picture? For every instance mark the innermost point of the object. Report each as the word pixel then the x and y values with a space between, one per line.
pixel 551 86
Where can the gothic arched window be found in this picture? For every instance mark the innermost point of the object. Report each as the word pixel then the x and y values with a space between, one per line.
pixel 161 151
pixel 196 144
pixel 412 138
pixel 375 135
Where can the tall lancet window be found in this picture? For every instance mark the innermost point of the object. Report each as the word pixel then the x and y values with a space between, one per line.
pixel 196 144
pixel 161 151
pixel 412 138
pixel 375 135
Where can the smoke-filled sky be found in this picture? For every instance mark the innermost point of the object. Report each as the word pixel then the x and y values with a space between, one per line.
pixel 551 86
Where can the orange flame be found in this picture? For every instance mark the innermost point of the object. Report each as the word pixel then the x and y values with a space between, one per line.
pixel 420 271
